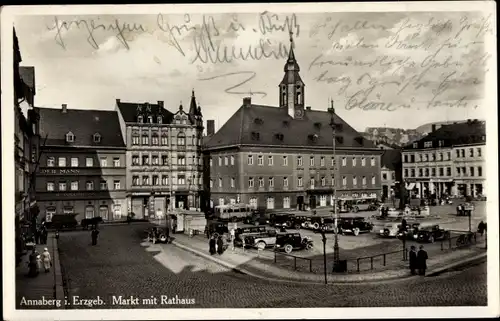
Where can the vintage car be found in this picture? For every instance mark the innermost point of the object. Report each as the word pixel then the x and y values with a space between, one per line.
pixel 282 219
pixel 364 205
pixel 410 232
pixel 242 232
pixel 390 230
pixel 261 240
pixel 291 241
pixel 432 233
pixel 256 219
pixel 354 225
pixel 157 235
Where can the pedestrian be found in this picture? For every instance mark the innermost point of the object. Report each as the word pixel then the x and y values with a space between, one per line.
pixel 37 236
pixel 413 260
pixel 233 237
pixel 167 234
pixel 211 245
pixel 94 235
pixel 422 260
pixel 33 263
pixel 46 260
pixel 45 234
pixel 220 245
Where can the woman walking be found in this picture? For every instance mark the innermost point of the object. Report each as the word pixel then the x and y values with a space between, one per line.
pixel 46 260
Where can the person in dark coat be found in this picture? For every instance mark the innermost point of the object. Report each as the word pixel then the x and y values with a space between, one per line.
pixel 220 245
pixel 481 228
pixel 422 260
pixel 211 245
pixel 37 236
pixel 44 235
pixel 33 264
pixel 413 260
pixel 94 235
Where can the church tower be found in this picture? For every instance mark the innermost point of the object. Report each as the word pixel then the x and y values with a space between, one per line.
pixel 292 87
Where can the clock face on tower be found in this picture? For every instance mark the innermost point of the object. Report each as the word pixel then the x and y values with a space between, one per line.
pixel 299 113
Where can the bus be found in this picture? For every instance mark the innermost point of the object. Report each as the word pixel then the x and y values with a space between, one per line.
pixel 233 212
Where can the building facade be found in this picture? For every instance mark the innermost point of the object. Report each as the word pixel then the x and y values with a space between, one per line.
pixel 82 165
pixel 283 157
pixel 390 173
pixel 164 161
pixel 447 162
pixel 26 150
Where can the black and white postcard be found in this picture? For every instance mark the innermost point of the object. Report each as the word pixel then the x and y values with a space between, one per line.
pixel 255 161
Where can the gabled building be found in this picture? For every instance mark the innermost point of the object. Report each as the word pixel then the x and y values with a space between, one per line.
pixel 164 163
pixel 282 156
pixel 448 161
pixel 82 165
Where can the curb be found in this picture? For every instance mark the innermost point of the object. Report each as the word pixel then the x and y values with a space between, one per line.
pixel 239 270
pixel 471 260
pixel 58 279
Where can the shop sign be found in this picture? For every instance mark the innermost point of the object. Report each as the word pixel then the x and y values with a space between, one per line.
pixel 60 171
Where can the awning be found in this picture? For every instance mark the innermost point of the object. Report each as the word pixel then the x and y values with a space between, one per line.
pixel 410 186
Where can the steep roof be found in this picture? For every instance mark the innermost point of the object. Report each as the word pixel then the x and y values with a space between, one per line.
pixel 390 158
pixel 55 124
pixel 469 132
pixel 130 111
pixel 266 125
pixel 28 76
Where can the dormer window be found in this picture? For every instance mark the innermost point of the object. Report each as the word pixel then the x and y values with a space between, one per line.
pixel 279 136
pixel 313 138
pixel 97 138
pixel 139 119
pixel 150 119
pixel 415 145
pixel 285 123
pixel 160 120
pixel 255 136
pixel 317 125
pixel 70 138
pixel 339 139
pixel 258 121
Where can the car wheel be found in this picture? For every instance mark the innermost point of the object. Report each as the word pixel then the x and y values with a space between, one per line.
pixel 356 231
pixel 306 225
pixel 288 248
pixel 297 226
pixel 309 246
pixel 234 219
pixel 261 245
pixel 355 209
pixel 163 238
pixel 316 225
pixel 431 239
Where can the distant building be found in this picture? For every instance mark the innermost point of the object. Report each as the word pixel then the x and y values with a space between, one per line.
pixel 391 173
pixel 395 137
pixel 448 161
pixel 282 157
pixel 82 166
pixel 164 163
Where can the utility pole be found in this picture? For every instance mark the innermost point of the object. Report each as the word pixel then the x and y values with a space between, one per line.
pixel 336 254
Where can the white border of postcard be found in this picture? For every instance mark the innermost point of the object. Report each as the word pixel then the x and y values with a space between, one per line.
pixel 129 314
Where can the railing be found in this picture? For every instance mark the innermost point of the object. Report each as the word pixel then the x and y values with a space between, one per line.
pixel 401 255
pixel 277 253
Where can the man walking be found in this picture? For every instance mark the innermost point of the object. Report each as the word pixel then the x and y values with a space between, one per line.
pixel 422 260
pixel 413 260
pixel 94 235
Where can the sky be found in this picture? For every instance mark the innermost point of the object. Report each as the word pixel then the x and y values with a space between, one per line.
pixel 394 69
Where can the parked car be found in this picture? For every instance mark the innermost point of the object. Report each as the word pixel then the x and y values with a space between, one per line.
pixel 432 233
pixel 364 205
pixel 410 232
pixel 281 219
pixel 261 240
pixel 242 232
pixel 291 241
pixel 157 235
pixel 256 219
pixel 354 225
pixel 390 230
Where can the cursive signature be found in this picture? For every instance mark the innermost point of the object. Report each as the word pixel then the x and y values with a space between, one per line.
pixel 230 90
pixel 91 26
pixel 206 49
pixel 270 22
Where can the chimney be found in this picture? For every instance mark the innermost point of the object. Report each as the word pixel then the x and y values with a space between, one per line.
pixel 433 128
pixel 308 108
pixel 160 103
pixel 247 101
pixel 210 127
pixel 64 108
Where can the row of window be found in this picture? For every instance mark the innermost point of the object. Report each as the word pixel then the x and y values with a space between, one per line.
pixel 74 186
pixel 74 162
pixel 70 137
pixel 89 212
pixel 162 139
pixel 431 172
pixel 163 180
pixel 312 182
pixel 155 160
pixel 270 201
pixel 384 176
pixel 440 156
pixel 229 160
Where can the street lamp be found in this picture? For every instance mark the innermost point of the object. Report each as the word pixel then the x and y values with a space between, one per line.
pixel 323 238
pixel 336 255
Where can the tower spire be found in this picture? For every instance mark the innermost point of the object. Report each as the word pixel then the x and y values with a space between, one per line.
pixel 291 55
